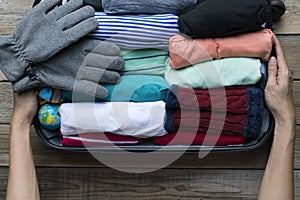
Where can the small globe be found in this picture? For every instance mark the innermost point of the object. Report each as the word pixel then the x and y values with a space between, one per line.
pixel 49 116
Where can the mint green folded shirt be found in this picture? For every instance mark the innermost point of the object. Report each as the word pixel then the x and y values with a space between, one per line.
pixel 131 88
pixel 216 73
pixel 145 61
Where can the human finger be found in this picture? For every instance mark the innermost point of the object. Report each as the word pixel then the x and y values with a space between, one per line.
pixel 272 70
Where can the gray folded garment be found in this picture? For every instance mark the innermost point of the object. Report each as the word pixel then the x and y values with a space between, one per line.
pixel 146 6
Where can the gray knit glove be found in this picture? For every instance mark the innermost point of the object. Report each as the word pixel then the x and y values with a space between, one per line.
pixel 81 67
pixel 43 32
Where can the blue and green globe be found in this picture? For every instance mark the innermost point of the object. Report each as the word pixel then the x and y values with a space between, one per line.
pixel 49 116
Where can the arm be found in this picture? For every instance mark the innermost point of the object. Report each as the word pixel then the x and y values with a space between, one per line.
pixel 278 180
pixel 22 181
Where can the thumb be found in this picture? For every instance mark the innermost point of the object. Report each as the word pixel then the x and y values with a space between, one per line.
pixel 272 70
pixel 25 84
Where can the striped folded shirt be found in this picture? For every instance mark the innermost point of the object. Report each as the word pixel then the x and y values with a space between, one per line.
pixel 136 31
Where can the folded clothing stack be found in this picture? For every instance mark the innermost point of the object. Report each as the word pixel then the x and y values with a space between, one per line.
pixel 226 51
pixel 237 109
pixel 173 86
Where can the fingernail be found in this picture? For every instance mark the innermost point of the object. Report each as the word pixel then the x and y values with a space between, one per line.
pixel 272 61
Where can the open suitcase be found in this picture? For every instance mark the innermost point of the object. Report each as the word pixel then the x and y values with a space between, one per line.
pixel 53 139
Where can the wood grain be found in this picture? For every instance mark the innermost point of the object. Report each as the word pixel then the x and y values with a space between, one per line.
pixel 166 184
pixel 291 47
pixel 296 91
pixel 289 23
pixel 6 102
pixel 11 12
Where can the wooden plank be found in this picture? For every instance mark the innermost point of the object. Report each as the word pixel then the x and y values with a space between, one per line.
pixel 6 102
pixel 11 12
pixel 289 23
pixel 167 184
pixel 291 46
pixel 296 91
pixel 45 156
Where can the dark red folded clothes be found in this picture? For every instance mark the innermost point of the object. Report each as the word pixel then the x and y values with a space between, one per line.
pixel 198 139
pixel 98 139
pixel 239 108
pixel 188 119
pixel 233 97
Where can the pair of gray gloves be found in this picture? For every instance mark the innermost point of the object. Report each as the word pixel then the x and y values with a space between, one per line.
pixel 31 57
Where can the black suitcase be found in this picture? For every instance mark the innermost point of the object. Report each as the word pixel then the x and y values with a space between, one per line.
pixel 52 138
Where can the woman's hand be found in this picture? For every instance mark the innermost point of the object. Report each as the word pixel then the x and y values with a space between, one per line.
pixel 279 88
pixel 22 181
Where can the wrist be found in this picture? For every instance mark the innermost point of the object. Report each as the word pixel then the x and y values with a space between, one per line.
pixel 286 119
pixel 285 113
pixel 285 131
pixel 20 121
pixel 20 131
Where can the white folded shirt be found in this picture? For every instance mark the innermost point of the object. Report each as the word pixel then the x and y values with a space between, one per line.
pixel 140 120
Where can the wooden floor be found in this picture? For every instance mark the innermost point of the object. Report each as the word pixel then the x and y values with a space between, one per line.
pixel 65 175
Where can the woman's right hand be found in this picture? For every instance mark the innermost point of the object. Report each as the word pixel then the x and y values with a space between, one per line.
pixel 279 88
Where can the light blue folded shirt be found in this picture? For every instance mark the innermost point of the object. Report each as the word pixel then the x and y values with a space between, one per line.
pixel 216 73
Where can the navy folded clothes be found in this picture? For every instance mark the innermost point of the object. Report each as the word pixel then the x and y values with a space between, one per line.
pixel 136 31
pixel 235 117
pixel 234 17
pixel 146 6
